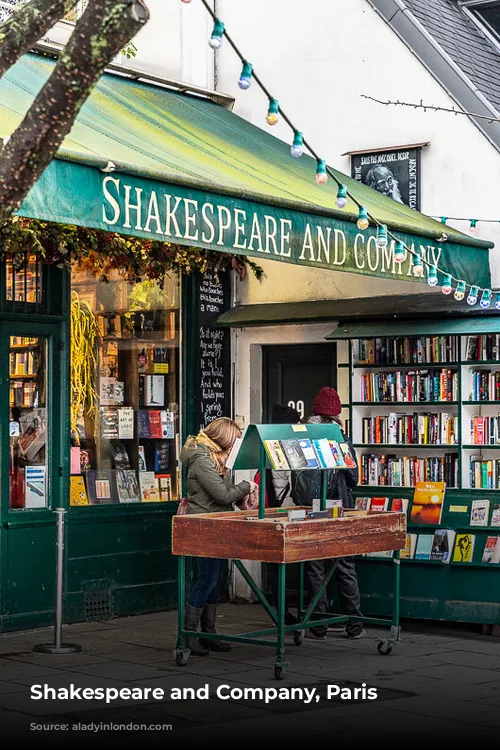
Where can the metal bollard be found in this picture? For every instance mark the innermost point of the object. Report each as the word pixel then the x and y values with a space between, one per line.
pixel 58 647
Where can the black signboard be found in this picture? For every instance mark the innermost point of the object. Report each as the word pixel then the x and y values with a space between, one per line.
pixel 395 173
pixel 213 366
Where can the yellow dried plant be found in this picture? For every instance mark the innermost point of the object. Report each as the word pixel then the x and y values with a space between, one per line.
pixel 83 364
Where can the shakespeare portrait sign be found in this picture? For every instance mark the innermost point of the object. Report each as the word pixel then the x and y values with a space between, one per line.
pixel 393 172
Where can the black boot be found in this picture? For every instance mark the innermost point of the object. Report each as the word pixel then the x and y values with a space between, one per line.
pixel 208 626
pixel 192 617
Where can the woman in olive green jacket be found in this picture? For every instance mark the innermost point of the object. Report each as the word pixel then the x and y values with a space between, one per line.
pixel 209 489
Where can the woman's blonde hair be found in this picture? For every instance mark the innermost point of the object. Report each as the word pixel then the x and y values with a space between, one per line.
pixel 219 437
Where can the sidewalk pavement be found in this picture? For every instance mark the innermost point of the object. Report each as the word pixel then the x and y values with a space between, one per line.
pixel 441 682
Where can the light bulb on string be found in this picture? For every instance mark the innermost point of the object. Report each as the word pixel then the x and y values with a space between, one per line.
pixel 473 226
pixel 399 252
pixel 297 147
pixel 485 299
pixel 215 40
pixel 418 266
pixel 446 287
pixel 321 173
pixel 444 219
pixel 382 236
pixel 460 291
pixel 273 112
pixel 185 1
pixel 473 295
pixel 432 277
pixel 497 300
pixel 362 222
pixel 246 76
pixel 341 200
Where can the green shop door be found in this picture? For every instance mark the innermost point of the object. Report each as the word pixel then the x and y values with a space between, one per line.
pixel 33 392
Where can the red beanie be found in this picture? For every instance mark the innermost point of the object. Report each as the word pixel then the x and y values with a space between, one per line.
pixel 327 403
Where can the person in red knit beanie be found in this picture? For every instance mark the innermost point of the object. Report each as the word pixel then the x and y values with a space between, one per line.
pixel 306 485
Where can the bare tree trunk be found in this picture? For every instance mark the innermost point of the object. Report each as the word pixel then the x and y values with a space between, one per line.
pixel 99 35
pixel 26 26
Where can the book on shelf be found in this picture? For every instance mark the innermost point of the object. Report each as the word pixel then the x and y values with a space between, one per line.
pixel 154 394
pixel 164 487
pixel 491 552
pixel 362 503
pixel 144 430
pixel 167 424
pixel 149 487
pixel 387 469
pixel 141 458
pixel 161 457
pixel 424 547
pixel 399 504
pixel 109 423
pixel 77 491
pixel 349 461
pixel 74 460
pixel 495 515
pixel 127 486
pixel 337 454
pixel 155 431
pixel 464 548
pixel 324 454
pixel 408 551
pixel 427 504
pixel 442 545
pixel 484 473
pixel 294 454
pixel 107 391
pixel 479 513
pixel 125 423
pixel 329 503
pixel 35 481
pixel 120 456
pixel 101 486
pixel 379 503
pixel 276 455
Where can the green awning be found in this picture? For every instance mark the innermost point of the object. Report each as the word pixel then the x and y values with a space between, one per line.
pixel 426 327
pixel 190 171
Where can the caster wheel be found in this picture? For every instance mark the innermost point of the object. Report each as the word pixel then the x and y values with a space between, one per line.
pixel 384 648
pixel 181 658
pixel 279 672
pixel 298 637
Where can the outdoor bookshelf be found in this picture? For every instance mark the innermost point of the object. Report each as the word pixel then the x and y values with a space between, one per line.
pixel 449 372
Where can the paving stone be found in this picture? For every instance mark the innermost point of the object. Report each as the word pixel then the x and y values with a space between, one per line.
pixel 456 672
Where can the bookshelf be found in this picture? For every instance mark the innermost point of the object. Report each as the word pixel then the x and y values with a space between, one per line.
pixel 448 372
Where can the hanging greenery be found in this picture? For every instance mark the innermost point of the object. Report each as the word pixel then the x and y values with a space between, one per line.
pixel 100 252
pixel 83 363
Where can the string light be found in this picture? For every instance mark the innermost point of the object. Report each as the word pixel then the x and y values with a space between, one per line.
pixel 473 295
pixel 399 252
pixel 418 266
pixel 273 112
pixel 497 301
pixel 297 147
pixel 185 1
pixel 486 298
pixel 432 278
pixel 246 76
pixel 382 236
pixel 460 291
pixel 215 40
pixel 321 173
pixel 341 200
pixel 446 287
pixel 363 222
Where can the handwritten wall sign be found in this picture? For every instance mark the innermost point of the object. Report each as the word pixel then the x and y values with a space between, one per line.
pixel 213 375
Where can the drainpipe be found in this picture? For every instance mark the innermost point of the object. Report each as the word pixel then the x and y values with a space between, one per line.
pixel 216 51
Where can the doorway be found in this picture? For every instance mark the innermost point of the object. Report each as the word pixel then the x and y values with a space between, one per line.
pixel 293 374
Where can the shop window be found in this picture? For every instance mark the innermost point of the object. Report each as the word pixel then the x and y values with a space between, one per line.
pixel 28 473
pixel 486 13
pixel 24 283
pixel 125 390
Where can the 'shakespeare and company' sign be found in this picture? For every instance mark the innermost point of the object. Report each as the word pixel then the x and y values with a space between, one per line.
pixel 153 210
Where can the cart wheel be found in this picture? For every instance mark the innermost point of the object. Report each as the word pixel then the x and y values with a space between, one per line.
pixel 384 648
pixel 279 672
pixel 182 657
pixel 298 637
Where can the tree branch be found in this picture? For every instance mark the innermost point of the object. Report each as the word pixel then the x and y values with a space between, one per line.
pixel 99 35
pixel 432 107
pixel 26 26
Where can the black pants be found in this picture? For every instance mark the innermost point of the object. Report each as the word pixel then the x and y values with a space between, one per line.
pixel 345 576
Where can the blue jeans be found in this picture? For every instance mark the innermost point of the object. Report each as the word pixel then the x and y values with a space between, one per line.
pixel 206 588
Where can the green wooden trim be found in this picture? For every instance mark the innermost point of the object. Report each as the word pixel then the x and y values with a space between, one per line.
pixel 347 330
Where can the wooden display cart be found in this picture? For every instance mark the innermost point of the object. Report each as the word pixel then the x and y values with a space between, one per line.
pixel 267 535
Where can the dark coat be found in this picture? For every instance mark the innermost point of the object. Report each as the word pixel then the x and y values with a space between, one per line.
pixel 306 483
pixel 207 491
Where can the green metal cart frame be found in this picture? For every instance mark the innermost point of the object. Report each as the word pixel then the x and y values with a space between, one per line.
pixel 251 454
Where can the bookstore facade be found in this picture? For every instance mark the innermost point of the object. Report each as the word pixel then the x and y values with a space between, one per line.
pixel 101 379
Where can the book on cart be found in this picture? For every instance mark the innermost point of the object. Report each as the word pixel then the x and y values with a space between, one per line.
pixel 324 453
pixel 362 503
pixel 294 453
pixel 276 455
pixel 379 503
